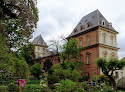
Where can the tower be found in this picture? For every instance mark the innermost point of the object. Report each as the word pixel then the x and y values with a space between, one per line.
pixel 40 46
pixel 98 38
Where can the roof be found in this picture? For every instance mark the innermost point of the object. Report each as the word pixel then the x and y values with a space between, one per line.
pixel 39 41
pixel 94 19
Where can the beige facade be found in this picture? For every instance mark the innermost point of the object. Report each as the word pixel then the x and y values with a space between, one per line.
pixel 40 51
pixel 40 47
pixel 108 48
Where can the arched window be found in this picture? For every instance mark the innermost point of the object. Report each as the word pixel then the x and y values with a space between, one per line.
pixel 88 24
pixel 111 40
pixel 103 22
pixel 104 37
pixel 75 30
pixel 81 27
pixel 88 59
pixel 80 42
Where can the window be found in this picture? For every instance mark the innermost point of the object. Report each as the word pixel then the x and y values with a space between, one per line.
pixel 94 73
pixel 111 41
pixel 103 22
pixel 88 74
pixel 39 42
pixel 80 42
pixel 116 74
pixel 38 49
pixel 88 24
pixel 104 39
pixel 81 27
pixel 88 59
pixel 81 56
pixel 88 41
pixel 75 30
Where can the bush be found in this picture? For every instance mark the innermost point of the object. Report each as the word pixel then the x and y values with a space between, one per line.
pixel 36 70
pixel 61 72
pixel 13 88
pixel 31 88
pixel 66 86
pixel 84 78
pixel 33 81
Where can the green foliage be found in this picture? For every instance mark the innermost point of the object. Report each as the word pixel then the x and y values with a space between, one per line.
pixel 47 65
pixel 66 71
pixel 36 70
pixel 12 87
pixel 103 78
pixel 109 66
pixel 84 78
pixel 66 86
pixel 95 79
pixel 71 50
pixel 27 51
pixel 33 81
pixel 31 88
pixel 18 26
pixel 62 71
pixel 21 68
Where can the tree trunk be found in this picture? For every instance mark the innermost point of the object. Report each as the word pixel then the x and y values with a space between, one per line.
pixel 112 81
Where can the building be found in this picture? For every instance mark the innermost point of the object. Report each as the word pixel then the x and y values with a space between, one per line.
pixel 40 47
pixel 98 37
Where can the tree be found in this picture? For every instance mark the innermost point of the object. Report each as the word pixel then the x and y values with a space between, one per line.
pixel 109 66
pixel 17 20
pixel 71 50
pixel 36 70
pixel 47 65
pixel 27 51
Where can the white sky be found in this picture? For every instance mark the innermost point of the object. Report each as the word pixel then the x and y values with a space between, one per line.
pixel 58 17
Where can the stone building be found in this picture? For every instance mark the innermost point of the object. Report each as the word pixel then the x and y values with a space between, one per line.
pixel 99 38
pixel 40 47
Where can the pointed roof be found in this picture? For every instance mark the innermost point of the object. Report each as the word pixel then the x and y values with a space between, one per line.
pixel 39 41
pixel 94 19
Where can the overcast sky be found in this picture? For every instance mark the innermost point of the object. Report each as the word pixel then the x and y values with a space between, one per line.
pixel 58 17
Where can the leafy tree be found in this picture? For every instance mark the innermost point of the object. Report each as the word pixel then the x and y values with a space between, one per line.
pixel 17 20
pixel 27 51
pixel 71 50
pixel 36 70
pixel 47 65
pixel 109 66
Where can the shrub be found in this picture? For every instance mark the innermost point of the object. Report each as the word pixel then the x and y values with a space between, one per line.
pixel 31 88
pixel 84 78
pixel 36 70
pixel 66 86
pixel 12 87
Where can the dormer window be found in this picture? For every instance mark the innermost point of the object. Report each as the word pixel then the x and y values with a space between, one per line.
pixel 38 42
pixel 103 22
pixel 88 24
pixel 75 30
pixel 81 27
